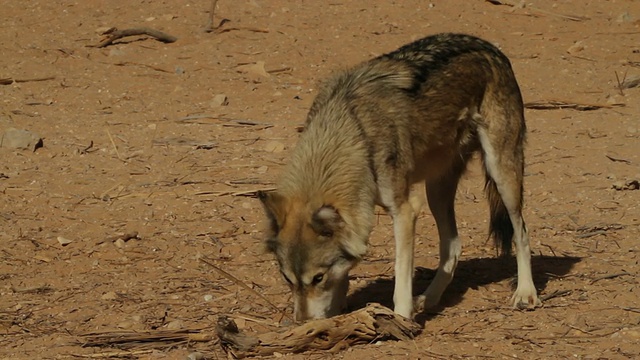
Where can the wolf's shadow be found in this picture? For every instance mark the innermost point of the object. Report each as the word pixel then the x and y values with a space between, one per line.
pixel 470 274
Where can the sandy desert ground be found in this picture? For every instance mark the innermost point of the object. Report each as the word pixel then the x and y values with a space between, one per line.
pixel 168 141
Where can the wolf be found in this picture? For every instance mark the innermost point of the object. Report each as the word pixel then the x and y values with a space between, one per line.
pixel 388 132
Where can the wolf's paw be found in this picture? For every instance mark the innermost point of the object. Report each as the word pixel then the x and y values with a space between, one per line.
pixel 424 302
pixel 403 310
pixel 525 299
pixel 418 304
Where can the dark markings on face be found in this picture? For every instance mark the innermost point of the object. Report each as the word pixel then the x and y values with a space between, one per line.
pixel 298 257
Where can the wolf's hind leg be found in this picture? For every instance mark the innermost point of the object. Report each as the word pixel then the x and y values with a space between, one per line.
pixel 504 166
pixel 441 195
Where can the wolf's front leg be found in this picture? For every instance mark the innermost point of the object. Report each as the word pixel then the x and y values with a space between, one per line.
pixel 403 231
pixel 404 227
pixel 441 195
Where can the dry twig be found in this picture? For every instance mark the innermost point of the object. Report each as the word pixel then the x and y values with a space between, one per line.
pixel 221 30
pixel 591 234
pixel 555 294
pixel 9 81
pixel 588 231
pixel 114 146
pixel 239 283
pixel 210 27
pixel 635 310
pixel 33 289
pixel 114 354
pixel 536 9
pixel 372 323
pixel 156 68
pixel 620 82
pixel 114 34
pixel 610 276
pixel 560 104
pixel 197 119
pixel 144 339
pixel 247 193
pixel 618 159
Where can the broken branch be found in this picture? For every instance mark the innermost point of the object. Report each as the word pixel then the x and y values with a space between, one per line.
pixel 9 81
pixel 115 34
pixel 560 104
pixel 130 339
pixel 372 323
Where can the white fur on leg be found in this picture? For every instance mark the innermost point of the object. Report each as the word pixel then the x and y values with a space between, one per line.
pixel 525 295
pixel 403 229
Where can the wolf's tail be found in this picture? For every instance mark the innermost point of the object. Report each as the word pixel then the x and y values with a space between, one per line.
pixel 500 226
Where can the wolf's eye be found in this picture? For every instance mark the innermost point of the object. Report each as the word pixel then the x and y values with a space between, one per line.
pixel 326 233
pixel 317 279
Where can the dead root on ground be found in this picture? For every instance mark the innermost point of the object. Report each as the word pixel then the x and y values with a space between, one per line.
pixel 372 323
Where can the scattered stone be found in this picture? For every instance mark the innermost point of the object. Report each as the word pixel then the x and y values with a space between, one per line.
pixel 256 68
pixel 624 17
pixel 615 100
pixel 262 169
pixel 627 185
pixel 274 147
pixel 175 325
pixel 219 100
pixel 630 82
pixel 20 139
pixel 111 295
pixel 125 325
pixel 116 52
pixel 576 48
pixel 42 258
pixel 5 120
pixel 64 241
pixel 119 243
pixel 208 297
pixel 195 356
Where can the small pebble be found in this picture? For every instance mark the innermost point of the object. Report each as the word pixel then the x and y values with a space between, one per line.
pixel 195 356
pixel 219 100
pixel 111 295
pixel 20 139
pixel 64 241
pixel 175 325
pixel 274 146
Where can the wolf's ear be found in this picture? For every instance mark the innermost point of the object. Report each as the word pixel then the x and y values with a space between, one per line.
pixel 274 208
pixel 326 221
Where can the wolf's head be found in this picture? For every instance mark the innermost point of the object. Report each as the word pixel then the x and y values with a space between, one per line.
pixel 311 243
